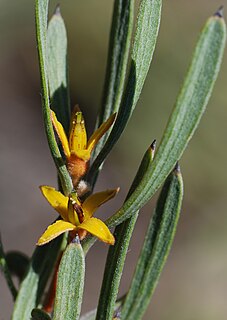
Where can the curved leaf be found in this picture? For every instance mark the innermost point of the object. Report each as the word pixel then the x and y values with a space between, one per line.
pixel 156 247
pixel 190 106
pixel 184 120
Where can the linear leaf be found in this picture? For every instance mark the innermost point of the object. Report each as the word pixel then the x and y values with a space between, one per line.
pixel 120 40
pixel 41 14
pixel 34 283
pixel 148 22
pixel 117 254
pixel 189 108
pixel 70 283
pixel 156 247
pixel 113 270
pixel 58 68
pixel 184 120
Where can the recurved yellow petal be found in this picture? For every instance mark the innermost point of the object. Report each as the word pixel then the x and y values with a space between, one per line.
pixel 57 200
pixel 78 135
pixel 61 134
pixel 91 204
pixel 54 230
pixel 98 229
pixel 100 132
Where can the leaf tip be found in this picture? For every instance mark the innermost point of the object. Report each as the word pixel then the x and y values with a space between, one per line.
pixel 153 148
pixel 57 11
pixel 153 145
pixel 219 12
pixel 176 169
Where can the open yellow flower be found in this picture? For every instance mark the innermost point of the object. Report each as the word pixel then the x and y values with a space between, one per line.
pixel 77 149
pixel 77 216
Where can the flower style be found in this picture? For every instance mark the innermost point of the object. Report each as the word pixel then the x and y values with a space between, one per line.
pixel 77 149
pixel 77 217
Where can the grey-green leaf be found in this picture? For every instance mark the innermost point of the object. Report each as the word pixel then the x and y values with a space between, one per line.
pixel 58 68
pixel 41 14
pixel 34 283
pixel 117 254
pixel 184 120
pixel 70 283
pixel 114 268
pixel 156 247
pixel 142 52
pixel 120 40
pixel 187 112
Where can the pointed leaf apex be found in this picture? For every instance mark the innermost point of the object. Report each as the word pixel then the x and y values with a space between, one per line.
pixel 153 145
pixel 57 10
pixel 219 12
pixel 177 168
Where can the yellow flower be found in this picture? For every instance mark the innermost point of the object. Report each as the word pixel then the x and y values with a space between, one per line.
pixel 76 216
pixel 77 149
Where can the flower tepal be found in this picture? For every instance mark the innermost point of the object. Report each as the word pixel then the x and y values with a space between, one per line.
pixel 77 148
pixel 77 216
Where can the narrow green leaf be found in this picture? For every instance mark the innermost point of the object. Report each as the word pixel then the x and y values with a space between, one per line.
pixel 41 14
pixel 58 68
pixel 113 269
pixel 148 22
pixel 117 254
pixel 70 283
pixel 119 45
pixel 6 272
pixel 17 263
pixel 157 244
pixel 34 283
pixel 38 314
pixel 190 106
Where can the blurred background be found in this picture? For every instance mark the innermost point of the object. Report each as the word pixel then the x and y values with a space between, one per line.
pixel 193 285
